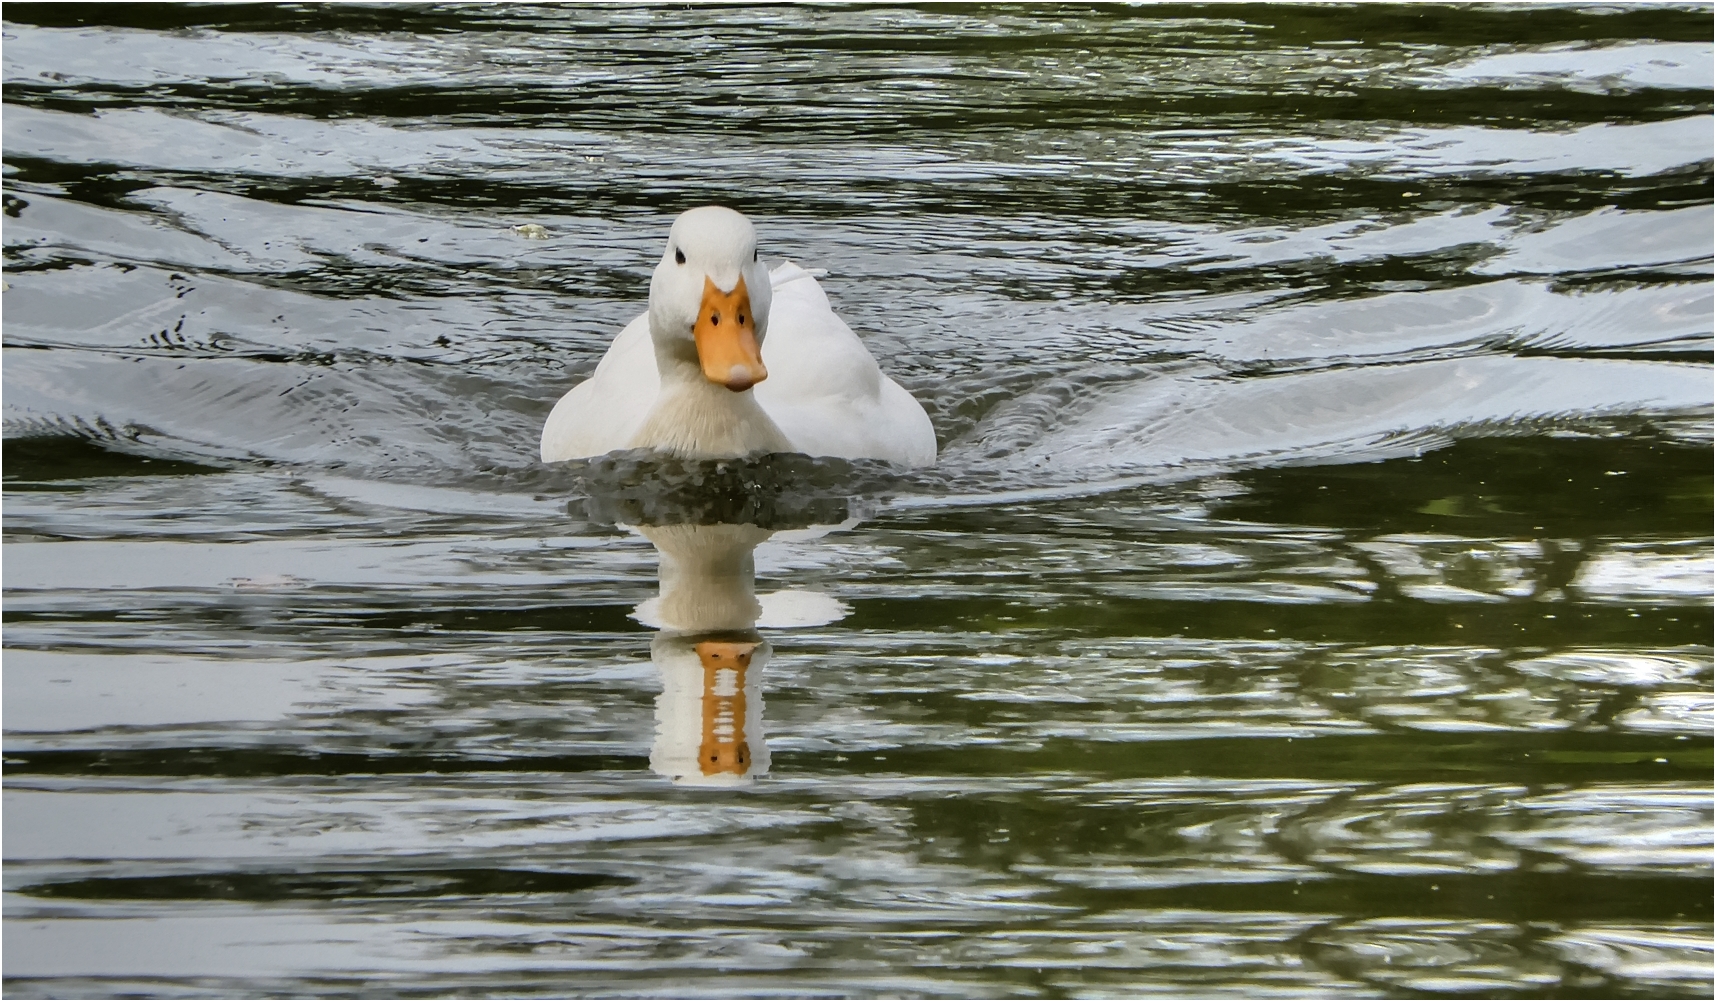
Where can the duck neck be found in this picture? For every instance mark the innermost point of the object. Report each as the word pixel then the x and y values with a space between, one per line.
pixel 697 419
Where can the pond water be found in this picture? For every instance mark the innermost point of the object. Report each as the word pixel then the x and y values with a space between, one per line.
pixel 1313 597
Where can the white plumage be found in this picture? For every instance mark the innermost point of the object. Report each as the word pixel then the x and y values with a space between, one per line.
pixel 823 394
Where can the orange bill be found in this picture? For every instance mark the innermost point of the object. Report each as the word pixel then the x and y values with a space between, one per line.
pixel 718 654
pixel 724 748
pixel 727 338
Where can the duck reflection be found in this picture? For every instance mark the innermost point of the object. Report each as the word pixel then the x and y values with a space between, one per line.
pixel 708 577
pixel 707 519
pixel 709 716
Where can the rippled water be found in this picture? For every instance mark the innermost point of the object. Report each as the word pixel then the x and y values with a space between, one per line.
pixel 1313 598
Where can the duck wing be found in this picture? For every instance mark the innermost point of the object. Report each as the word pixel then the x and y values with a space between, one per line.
pixel 825 390
pixel 604 412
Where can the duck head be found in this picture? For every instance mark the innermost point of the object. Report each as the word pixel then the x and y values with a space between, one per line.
pixel 709 301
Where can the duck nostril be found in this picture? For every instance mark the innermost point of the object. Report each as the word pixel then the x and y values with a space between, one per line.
pixel 715 318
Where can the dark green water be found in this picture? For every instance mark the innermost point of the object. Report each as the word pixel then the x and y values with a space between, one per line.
pixel 1313 598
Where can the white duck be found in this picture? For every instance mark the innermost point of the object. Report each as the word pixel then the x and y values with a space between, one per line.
pixel 687 377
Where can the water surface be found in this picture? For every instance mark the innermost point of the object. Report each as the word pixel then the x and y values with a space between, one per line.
pixel 1313 597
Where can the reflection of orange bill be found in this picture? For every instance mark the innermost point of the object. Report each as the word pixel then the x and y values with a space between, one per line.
pixel 724 747
pixel 726 335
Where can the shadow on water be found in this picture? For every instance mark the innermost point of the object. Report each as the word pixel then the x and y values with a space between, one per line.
pixel 1566 487
pixel 324 886
pixel 52 463
pixel 783 491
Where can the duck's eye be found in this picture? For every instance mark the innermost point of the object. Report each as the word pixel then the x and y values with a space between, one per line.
pixel 678 255
pixel 754 255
